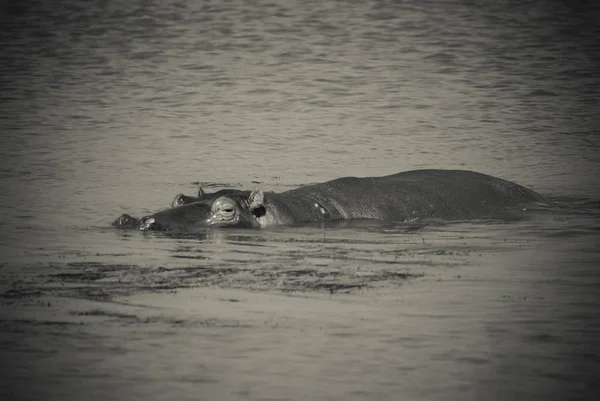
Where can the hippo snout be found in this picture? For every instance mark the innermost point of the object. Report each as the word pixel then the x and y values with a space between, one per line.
pixel 125 221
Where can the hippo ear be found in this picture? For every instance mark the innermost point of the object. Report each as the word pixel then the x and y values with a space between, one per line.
pixel 200 191
pixel 256 200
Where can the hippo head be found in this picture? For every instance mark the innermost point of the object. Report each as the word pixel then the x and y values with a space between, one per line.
pixel 233 209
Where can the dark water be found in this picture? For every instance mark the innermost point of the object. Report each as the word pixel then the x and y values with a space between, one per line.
pixel 109 107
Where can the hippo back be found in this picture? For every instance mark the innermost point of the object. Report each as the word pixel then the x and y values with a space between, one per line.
pixel 417 194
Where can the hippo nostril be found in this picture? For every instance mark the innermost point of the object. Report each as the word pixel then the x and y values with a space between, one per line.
pixel 146 223
pixel 125 221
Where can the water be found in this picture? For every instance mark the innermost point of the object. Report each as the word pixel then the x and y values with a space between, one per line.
pixel 110 107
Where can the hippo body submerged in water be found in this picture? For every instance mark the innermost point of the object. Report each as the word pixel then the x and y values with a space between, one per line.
pixel 406 196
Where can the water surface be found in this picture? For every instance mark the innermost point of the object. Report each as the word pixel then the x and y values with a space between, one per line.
pixel 111 107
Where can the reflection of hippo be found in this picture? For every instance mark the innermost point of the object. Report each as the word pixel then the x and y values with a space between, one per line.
pixel 407 196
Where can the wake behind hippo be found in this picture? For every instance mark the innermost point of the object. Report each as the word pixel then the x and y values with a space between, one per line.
pixel 406 196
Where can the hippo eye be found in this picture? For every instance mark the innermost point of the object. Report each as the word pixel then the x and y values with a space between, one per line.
pixel 224 208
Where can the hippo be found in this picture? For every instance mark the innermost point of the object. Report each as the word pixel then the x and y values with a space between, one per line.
pixel 403 197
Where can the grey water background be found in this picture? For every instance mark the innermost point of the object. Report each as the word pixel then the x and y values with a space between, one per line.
pixel 115 106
